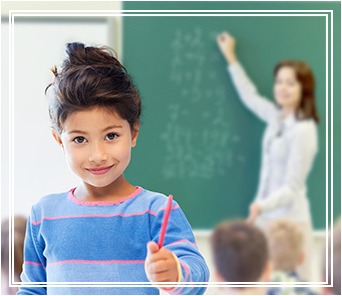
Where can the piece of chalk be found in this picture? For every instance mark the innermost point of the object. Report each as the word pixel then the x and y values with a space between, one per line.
pixel 165 221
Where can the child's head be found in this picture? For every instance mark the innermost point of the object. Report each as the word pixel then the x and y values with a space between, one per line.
pixel 240 252
pixel 94 110
pixel 285 242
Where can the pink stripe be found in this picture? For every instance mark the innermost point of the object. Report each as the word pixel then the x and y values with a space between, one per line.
pixel 181 241
pixel 93 215
pixel 101 203
pixel 186 268
pixel 172 208
pixel 176 291
pixel 96 262
pixel 103 216
pixel 34 263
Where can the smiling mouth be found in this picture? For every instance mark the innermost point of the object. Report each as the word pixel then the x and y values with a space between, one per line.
pixel 100 171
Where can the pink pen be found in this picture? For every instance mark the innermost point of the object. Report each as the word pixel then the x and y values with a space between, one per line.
pixel 165 221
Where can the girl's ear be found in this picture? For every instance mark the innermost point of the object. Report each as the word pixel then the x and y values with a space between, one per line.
pixel 135 133
pixel 57 138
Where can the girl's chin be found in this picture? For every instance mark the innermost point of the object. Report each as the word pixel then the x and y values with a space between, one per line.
pixel 98 184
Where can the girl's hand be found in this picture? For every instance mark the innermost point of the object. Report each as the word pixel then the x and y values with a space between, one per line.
pixel 161 265
pixel 227 45
pixel 254 211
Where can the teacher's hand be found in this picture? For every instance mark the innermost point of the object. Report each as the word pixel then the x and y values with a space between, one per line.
pixel 226 43
pixel 254 211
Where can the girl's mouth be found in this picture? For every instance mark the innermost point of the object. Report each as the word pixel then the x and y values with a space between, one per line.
pixel 100 171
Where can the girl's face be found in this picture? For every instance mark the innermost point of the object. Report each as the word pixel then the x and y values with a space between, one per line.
pixel 97 145
pixel 287 89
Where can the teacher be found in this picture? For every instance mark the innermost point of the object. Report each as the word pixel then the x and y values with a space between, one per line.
pixel 289 143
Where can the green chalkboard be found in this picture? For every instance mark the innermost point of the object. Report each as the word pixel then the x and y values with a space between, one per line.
pixel 197 140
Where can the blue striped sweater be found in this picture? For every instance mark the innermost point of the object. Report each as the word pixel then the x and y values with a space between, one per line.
pixel 69 241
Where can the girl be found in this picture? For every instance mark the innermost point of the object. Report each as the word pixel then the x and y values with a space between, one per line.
pixel 105 229
pixel 289 144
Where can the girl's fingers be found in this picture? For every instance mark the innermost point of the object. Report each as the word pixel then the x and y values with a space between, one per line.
pixel 162 254
pixel 157 267
pixel 164 276
pixel 160 266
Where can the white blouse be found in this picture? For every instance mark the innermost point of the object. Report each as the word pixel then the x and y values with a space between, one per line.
pixel 288 150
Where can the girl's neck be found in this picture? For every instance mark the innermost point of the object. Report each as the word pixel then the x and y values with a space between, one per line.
pixel 117 190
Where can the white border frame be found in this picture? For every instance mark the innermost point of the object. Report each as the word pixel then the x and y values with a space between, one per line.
pixel 121 13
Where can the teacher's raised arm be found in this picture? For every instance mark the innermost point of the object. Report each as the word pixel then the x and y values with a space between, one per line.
pixel 260 106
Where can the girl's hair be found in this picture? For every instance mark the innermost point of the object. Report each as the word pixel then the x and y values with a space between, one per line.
pixel 91 77
pixel 305 77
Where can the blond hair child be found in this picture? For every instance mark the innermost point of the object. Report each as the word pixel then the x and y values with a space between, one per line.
pixel 285 242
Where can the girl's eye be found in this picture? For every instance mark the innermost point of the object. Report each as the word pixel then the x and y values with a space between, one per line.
pixel 111 136
pixel 79 140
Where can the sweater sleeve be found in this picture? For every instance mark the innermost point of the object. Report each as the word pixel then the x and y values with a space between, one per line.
pixel 249 95
pixel 301 157
pixel 34 262
pixel 180 240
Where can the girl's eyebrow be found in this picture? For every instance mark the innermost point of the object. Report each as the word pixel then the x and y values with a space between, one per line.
pixel 112 126
pixel 76 132
pixel 106 129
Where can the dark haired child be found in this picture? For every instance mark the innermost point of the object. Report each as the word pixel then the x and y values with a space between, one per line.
pixel 240 255
pixel 105 229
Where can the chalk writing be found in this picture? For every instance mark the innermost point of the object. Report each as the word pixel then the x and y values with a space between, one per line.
pixel 198 144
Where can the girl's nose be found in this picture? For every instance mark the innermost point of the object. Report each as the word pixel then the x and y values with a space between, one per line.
pixel 98 153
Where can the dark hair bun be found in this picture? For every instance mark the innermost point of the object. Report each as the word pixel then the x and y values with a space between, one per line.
pixel 89 77
pixel 79 54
